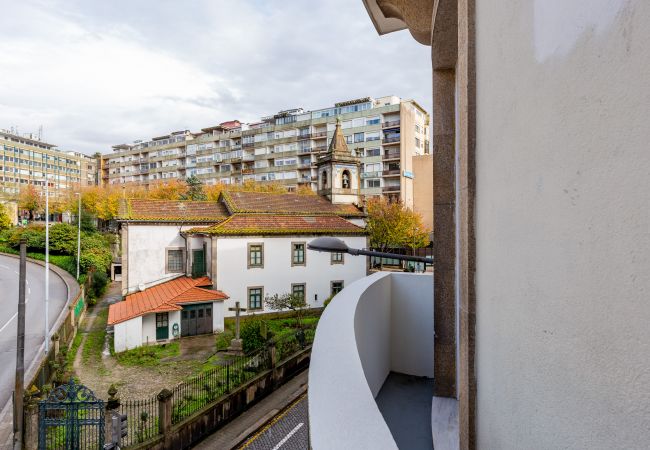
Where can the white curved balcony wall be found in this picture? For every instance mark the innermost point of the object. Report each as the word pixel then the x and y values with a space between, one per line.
pixel 376 325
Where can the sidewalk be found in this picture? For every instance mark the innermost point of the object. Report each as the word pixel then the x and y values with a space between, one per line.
pixel 235 432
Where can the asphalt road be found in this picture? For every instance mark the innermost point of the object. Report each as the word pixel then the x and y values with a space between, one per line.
pixel 34 316
pixel 289 430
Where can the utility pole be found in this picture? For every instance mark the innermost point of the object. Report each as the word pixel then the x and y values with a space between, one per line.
pixel 20 350
pixel 78 234
pixel 47 259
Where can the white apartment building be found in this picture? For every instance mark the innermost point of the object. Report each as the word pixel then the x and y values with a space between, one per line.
pixel 385 132
pixel 25 160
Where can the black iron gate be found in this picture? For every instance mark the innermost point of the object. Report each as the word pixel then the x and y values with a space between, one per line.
pixel 71 418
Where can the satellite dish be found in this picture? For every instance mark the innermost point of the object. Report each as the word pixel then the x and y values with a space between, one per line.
pixel 141 287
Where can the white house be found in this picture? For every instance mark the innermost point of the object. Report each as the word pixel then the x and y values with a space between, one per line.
pixel 180 307
pixel 248 245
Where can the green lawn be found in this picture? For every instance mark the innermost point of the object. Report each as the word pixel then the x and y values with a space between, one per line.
pixel 149 355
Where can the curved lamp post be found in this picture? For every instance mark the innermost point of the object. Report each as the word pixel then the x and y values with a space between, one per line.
pixel 336 245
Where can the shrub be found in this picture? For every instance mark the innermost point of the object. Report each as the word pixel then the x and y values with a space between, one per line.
pixel 251 334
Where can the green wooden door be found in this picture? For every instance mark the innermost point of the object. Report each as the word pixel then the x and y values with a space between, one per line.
pixel 198 263
pixel 162 326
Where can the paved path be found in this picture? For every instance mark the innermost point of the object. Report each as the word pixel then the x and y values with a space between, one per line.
pixel 34 316
pixel 273 411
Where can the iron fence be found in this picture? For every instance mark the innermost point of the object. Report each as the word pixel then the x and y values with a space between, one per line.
pixel 142 420
pixel 196 393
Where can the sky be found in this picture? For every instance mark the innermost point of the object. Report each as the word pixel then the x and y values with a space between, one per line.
pixel 99 73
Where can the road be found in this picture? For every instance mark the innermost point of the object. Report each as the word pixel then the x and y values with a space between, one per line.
pixel 289 430
pixel 34 316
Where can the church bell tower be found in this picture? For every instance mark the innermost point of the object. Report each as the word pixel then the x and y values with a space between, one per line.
pixel 339 176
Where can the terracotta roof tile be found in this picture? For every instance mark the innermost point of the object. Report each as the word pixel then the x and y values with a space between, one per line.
pixel 163 297
pixel 267 202
pixel 172 210
pixel 276 224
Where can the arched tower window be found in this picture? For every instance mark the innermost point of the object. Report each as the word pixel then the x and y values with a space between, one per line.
pixel 324 179
pixel 345 180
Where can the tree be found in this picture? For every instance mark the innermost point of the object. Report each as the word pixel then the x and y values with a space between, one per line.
pixel 167 190
pixel 30 199
pixel 293 302
pixel 194 190
pixel 5 220
pixel 391 225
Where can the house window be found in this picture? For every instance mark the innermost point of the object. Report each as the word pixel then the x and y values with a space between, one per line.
pixel 298 254
pixel 336 258
pixel 373 152
pixel 255 255
pixel 337 286
pixel 175 260
pixel 255 297
pixel 372 183
pixel 298 290
pixel 359 137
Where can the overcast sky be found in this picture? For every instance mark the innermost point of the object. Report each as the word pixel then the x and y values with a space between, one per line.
pixel 99 73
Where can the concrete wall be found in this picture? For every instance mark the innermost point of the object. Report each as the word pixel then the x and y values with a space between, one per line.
pixel 217 316
pixel 127 334
pixel 234 276
pixel 562 220
pixel 423 188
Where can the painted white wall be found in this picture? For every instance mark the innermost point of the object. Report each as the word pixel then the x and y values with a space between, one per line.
pixel 217 316
pixel 562 224
pixel 146 253
pixel 277 275
pixel 353 353
pixel 174 318
pixel 412 332
pixel 127 334
pixel 149 329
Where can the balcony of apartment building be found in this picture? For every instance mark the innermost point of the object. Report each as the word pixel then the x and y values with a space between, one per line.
pixel 391 154
pixel 391 139
pixel 391 170
pixel 373 353
pixel 319 134
pixel 389 188
pixel 319 148
pixel 390 124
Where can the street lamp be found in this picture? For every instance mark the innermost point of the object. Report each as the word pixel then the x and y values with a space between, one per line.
pixel 78 233
pixel 335 245
pixel 47 259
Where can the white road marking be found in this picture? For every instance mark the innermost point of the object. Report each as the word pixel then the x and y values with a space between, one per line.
pixel 4 267
pixel 8 322
pixel 288 436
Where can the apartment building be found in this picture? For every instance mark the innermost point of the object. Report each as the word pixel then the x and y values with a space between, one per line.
pixel 385 132
pixel 25 159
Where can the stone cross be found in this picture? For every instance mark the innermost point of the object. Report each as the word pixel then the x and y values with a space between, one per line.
pixel 237 310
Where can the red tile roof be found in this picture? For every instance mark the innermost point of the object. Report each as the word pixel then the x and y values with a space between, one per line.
pixel 172 211
pixel 278 224
pixel 164 297
pixel 274 203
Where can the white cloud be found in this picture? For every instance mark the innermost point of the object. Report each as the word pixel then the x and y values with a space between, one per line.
pixel 100 73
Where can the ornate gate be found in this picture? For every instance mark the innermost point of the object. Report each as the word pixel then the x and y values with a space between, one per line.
pixel 71 418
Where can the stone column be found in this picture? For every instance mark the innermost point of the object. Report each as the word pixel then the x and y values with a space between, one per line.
pixel 164 411
pixel 444 233
pixel 112 408
pixel 30 424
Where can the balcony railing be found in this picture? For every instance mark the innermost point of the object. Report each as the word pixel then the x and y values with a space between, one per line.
pixel 390 140
pixel 304 136
pixel 319 148
pixel 370 174
pixel 386 189
pixel 391 172
pixel 248 144
pixel 390 155
pixel 320 134
pixel 390 123
pixel 378 326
